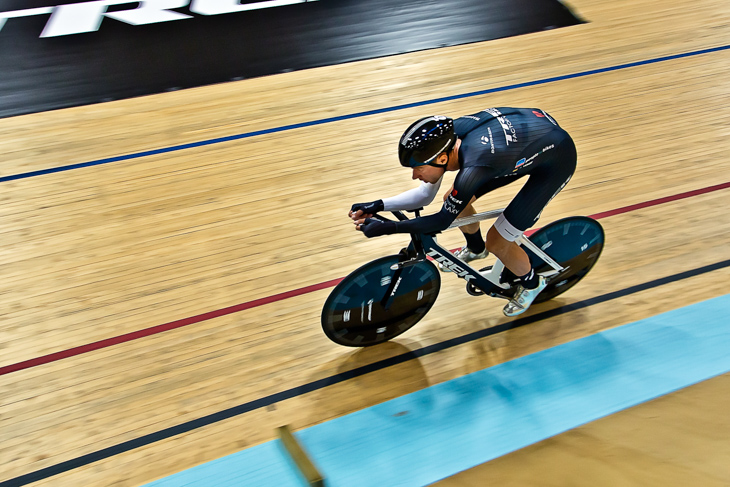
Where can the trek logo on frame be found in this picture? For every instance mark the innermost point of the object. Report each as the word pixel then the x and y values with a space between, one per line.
pixel 78 18
pixel 452 266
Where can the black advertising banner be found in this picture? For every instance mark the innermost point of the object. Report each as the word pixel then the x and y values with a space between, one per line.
pixel 55 55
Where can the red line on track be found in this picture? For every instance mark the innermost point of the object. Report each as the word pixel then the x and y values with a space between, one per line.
pixel 165 327
pixel 45 359
pixel 660 201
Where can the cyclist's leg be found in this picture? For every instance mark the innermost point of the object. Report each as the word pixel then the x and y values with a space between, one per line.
pixel 472 232
pixel 544 183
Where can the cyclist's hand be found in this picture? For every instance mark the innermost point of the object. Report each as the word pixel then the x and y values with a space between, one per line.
pixel 365 210
pixel 372 227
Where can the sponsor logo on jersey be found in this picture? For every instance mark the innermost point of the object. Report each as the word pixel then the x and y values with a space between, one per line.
pixel 451 204
pixel 510 134
pixel 453 200
pixel 451 209
pixel 488 140
pixel 542 114
pixel 78 18
pixel 526 162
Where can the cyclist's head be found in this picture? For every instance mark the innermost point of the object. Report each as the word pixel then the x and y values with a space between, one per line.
pixel 425 140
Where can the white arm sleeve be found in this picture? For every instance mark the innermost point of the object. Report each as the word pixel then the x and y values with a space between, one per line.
pixel 413 198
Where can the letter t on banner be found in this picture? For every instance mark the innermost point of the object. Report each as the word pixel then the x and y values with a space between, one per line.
pixel 23 13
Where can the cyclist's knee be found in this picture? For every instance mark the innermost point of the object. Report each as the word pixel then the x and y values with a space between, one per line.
pixel 496 243
pixel 506 230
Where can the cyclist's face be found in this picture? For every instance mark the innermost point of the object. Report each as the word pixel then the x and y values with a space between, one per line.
pixel 428 174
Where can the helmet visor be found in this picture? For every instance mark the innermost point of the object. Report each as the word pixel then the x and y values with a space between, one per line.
pixel 428 158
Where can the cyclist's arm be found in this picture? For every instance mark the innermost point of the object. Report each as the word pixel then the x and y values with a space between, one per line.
pixel 465 186
pixel 415 198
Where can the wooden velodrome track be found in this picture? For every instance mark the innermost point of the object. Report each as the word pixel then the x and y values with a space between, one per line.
pixel 98 252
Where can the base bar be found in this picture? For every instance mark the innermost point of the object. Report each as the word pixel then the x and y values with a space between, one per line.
pixel 300 457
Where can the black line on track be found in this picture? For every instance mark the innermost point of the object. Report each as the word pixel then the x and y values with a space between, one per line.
pixel 166 433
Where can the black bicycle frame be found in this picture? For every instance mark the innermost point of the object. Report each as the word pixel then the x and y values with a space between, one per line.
pixel 424 246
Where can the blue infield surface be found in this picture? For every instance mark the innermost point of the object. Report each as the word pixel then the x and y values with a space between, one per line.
pixel 420 438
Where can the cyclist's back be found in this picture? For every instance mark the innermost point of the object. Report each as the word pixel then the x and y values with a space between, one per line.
pixel 506 140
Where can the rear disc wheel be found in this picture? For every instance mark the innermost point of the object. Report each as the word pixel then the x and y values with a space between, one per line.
pixel 575 243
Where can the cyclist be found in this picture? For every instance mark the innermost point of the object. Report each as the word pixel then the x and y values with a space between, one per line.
pixel 489 149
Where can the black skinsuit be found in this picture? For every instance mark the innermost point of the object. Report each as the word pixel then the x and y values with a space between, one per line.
pixel 499 146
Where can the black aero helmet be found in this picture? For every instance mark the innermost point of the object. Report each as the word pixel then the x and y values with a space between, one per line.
pixel 425 139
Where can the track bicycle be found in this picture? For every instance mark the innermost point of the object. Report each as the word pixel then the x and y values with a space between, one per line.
pixel 387 296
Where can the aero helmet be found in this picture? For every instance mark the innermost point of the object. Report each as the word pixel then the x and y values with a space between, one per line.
pixel 425 139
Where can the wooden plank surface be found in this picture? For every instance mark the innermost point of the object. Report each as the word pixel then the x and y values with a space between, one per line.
pixel 97 252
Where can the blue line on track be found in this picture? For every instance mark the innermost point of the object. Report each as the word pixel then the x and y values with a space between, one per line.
pixel 322 121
